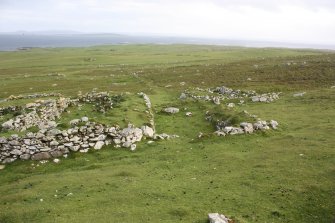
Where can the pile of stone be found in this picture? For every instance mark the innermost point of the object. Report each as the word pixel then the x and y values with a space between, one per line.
pixel 43 115
pixel 102 100
pixel 53 143
pixel 268 97
pixel 218 94
pixel 245 127
pixel 233 94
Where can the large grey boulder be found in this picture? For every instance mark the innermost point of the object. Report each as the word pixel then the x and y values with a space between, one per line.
pixel 171 110
pixel 274 124
pixel 98 145
pixel 25 156
pixel 148 131
pixel 56 153
pixel 41 156
pixel 8 124
pixel 3 140
pixel 217 218
pixel 183 96
pixel 247 127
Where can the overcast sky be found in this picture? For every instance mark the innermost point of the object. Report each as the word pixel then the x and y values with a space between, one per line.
pixel 300 21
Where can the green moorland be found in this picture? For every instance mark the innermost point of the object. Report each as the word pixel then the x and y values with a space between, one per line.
pixel 284 175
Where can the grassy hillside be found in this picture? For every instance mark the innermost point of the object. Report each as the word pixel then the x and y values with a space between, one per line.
pixel 284 175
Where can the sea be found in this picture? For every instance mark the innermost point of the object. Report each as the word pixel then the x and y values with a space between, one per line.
pixel 20 41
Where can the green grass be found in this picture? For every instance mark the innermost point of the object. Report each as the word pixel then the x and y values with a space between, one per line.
pixel 252 178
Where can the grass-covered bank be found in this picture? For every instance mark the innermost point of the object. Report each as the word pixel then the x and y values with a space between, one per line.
pixel 287 175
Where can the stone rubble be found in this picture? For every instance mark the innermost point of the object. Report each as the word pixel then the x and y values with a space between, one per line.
pixel 149 109
pixel 54 143
pixel 218 94
pixel 43 115
pixel 245 127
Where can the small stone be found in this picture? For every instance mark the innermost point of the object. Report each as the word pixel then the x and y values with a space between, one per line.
pixel 2 167
pixel 133 147
pixel 189 114
pixel 126 144
pixel 74 122
pixel 56 160
pixel 84 119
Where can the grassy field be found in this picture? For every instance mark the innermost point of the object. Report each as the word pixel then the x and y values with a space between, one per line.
pixel 284 175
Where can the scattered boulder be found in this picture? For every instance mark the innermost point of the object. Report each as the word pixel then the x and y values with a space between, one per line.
pixel 218 218
pixel 2 167
pixel 299 94
pixel 183 96
pixel 274 124
pixel 216 100
pixel 171 110
pixel 189 114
